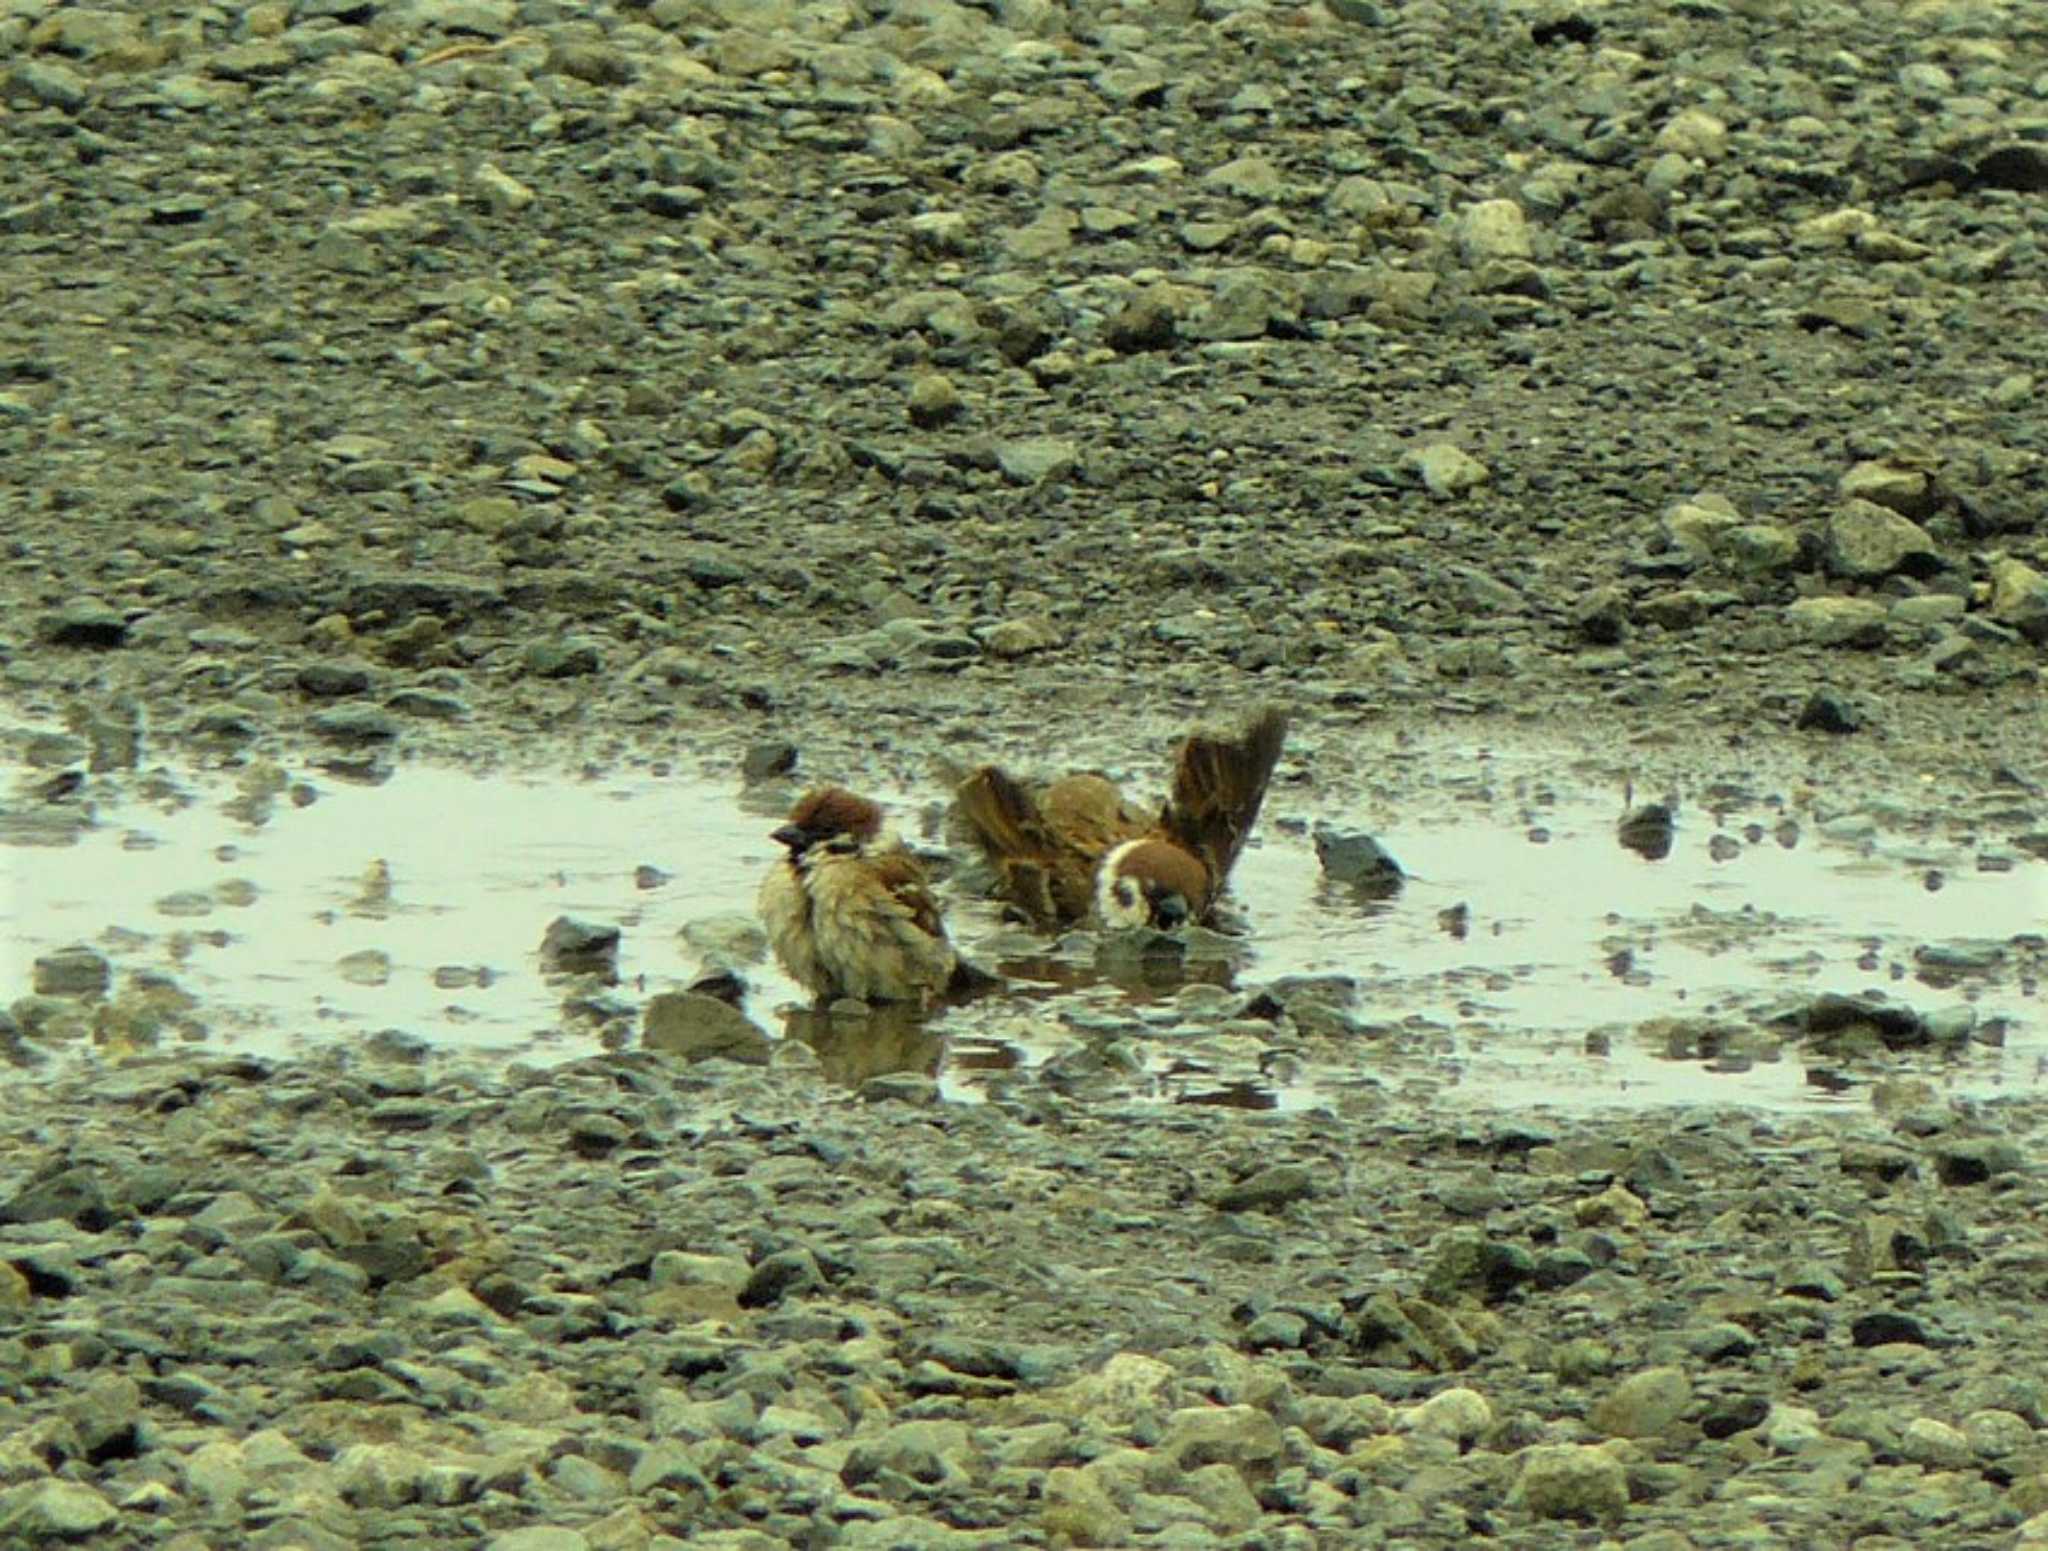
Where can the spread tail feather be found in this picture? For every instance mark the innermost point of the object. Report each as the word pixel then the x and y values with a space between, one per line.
pixel 1219 785
pixel 1002 816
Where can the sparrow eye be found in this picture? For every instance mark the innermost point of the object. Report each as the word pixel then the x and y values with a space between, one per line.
pixel 1126 895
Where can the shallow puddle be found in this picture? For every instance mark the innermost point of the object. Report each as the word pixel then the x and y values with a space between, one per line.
pixel 1531 959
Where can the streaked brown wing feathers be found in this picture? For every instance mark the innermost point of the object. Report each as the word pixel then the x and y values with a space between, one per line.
pixel 900 874
pixel 1043 855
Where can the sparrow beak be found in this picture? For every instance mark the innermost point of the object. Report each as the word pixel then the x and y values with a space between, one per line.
pixel 1169 911
pixel 794 836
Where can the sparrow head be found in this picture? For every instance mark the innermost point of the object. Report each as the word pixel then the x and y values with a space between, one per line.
pixel 1150 883
pixel 829 816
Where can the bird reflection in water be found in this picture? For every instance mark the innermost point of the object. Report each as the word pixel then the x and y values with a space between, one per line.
pixel 1146 966
pixel 855 1042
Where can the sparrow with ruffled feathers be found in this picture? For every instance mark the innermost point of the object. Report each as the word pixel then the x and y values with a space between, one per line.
pixel 849 911
pixel 1078 849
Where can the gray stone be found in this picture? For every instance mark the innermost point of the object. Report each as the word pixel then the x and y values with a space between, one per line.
pixel 85 622
pixel 1493 229
pixel 1854 622
pixel 1867 542
pixel 1468 1262
pixel 1269 1189
pixel 1757 549
pixel 1458 1415
pixel 378 1475
pixel 254 61
pixel 106 1420
pixel 786 1273
pixel 1698 526
pixel 579 947
pixel 72 1195
pixel 1676 608
pixel 1936 1445
pixel 47 1511
pixel 355 724
pixel 1601 615
pixel 1973 1160
pixel 1930 611
pixel 934 401
pixel 767 761
pixel 697 1027
pixel 1147 321
pixel 568 657
pixel 1080 1509
pixel 1357 861
pixel 74 971
pixel 1022 636
pixel 1996 1434
pixel 1243 1436
pixel 47 83
pixel 1032 460
pixel 1907 491
pixel 726 939
pixel 331 680
pixel 1254 177
pixel 710 566
pixel 1221 1493
pixel 941 233
pixel 927 1451
pixel 1242 308
pixel 217 1474
pixel 543 1537
pixel 2019 598
pixel 667 1467
pixel 1644 1404
pixel 1446 471
pixel 1827 711
pixel 1571 1481
pixel 328 1275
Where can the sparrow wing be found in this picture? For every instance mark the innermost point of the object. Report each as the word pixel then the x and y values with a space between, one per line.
pixel 924 930
pixel 1004 820
pixel 1218 786
pixel 909 893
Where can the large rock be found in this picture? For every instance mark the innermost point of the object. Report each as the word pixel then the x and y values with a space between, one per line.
pixel 1571 1481
pixel 1080 1509
pixel 2019 598
pixel 1446 471
pixel 1644 1404
pixel 52 1511
pixel 1838 621
pixel 1907 491
pixel 1243 1436
pixel 1867 542
pixel 1494 229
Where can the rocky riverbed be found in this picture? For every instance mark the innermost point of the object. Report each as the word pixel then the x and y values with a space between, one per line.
pixel 1640 396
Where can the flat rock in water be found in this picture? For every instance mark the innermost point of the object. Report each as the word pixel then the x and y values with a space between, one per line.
pixel 698 1027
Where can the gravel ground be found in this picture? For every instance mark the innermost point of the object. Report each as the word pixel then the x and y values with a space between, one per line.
pixel 470 380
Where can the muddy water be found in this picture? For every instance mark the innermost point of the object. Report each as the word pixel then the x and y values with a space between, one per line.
pixel 1530 959
pixel 1559 965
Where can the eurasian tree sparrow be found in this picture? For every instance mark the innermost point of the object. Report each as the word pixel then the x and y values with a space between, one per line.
pixel 1079 848
pixel 849 912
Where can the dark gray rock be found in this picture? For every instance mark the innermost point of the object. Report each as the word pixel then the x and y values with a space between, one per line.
pixel 580 947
